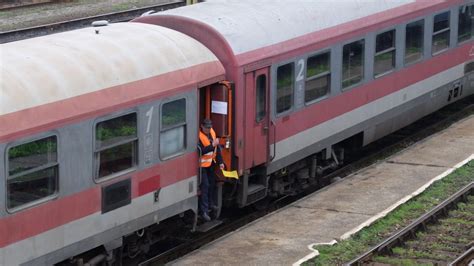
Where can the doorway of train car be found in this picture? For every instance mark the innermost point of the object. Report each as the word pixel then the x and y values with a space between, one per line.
pixel 257 120
pixel 215 103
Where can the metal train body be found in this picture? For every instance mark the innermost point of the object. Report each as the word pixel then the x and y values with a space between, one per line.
pixel 113 112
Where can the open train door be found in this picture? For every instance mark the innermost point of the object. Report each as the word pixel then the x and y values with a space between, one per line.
pixel 257 118
pixel 215 103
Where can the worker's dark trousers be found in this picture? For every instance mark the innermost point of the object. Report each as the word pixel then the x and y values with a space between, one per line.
pixel 208 185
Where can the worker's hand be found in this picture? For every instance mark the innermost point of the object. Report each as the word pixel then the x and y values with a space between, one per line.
pixel 215 142
pixel 221 166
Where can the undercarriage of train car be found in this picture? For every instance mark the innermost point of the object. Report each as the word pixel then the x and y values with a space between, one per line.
pixel 296 177
pixel 311 170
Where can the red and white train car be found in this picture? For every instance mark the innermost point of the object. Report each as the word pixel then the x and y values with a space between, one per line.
pixel 315 77
pixel 99 126
pixel 97 137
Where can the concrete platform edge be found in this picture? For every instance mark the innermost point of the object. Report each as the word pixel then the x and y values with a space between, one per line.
pixel 314 252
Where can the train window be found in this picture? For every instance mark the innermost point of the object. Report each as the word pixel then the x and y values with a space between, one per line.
pixel 32 171
pixel 318 77
pixel 173 128
pixel 466 17
pixel 352 63
pixel 260 111
pixel 116 145
pixel 384 60
pixel 440 33
pixel 285 77
pixel 414 41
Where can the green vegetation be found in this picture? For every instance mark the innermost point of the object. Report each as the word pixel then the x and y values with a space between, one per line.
pixel 104 133
pixel 123 126
pixel 368 237
pixel 173 113
pixel 396 261
pixel 318 64
pixel 317 69
pixel 32 154
pixel 464 36
pixel 413 50
pixel 388 56
pixel 351 81
pixel 42 146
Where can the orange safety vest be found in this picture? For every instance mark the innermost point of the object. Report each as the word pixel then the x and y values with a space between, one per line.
pixel 206 159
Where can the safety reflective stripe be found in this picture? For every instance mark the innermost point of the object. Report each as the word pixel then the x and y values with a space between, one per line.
pixel 206 159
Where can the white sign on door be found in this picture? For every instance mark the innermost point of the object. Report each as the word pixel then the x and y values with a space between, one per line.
pixel 218 107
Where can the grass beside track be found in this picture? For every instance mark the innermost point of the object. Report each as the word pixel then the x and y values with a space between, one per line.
pixel 402 216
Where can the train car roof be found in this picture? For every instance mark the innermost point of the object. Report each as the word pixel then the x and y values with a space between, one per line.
pixel 52 68
pixel 249 25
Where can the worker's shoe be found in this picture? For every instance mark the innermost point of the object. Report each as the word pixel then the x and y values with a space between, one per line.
pixel 206 217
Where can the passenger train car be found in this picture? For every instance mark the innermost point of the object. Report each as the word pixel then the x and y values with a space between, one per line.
pixel 99 126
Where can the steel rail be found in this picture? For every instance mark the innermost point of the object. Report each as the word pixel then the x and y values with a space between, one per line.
pixel 21 34
pixel 464 259
pixel 20 4
pixel 420 223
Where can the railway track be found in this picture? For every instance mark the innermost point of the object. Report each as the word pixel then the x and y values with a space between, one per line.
pixel 440 214
pixel 376 151
pixel 11 4
pixel 467 258
pixel 122 16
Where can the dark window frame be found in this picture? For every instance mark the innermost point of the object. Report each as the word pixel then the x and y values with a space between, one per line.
pixel 469 5
pixel 442 31
pixel 292 96
pixel 55 165
pixel 392 49
pixel 363 57
pixel 97 150
pixel 259 117
pixel 423 47
pixel 167 128
pixel 317 76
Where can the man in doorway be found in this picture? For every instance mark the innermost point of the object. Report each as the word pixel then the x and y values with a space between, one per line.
pixel 210 155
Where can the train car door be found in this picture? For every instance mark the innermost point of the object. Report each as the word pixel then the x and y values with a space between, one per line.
pixel 257 121
pixel 216 104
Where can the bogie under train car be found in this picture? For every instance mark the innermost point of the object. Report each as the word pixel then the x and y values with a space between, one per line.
pixel 99 126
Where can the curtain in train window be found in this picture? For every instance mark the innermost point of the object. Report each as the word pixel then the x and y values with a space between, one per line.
pixel 352 63
pixel 32 172
pixel 173 128
pixel 116 145
pixel 318 77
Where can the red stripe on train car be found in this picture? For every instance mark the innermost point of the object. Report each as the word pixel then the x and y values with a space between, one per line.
pixel 44 217
pixel 53 115
pixel 49 215
pixel 148 185
pixel 331 108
